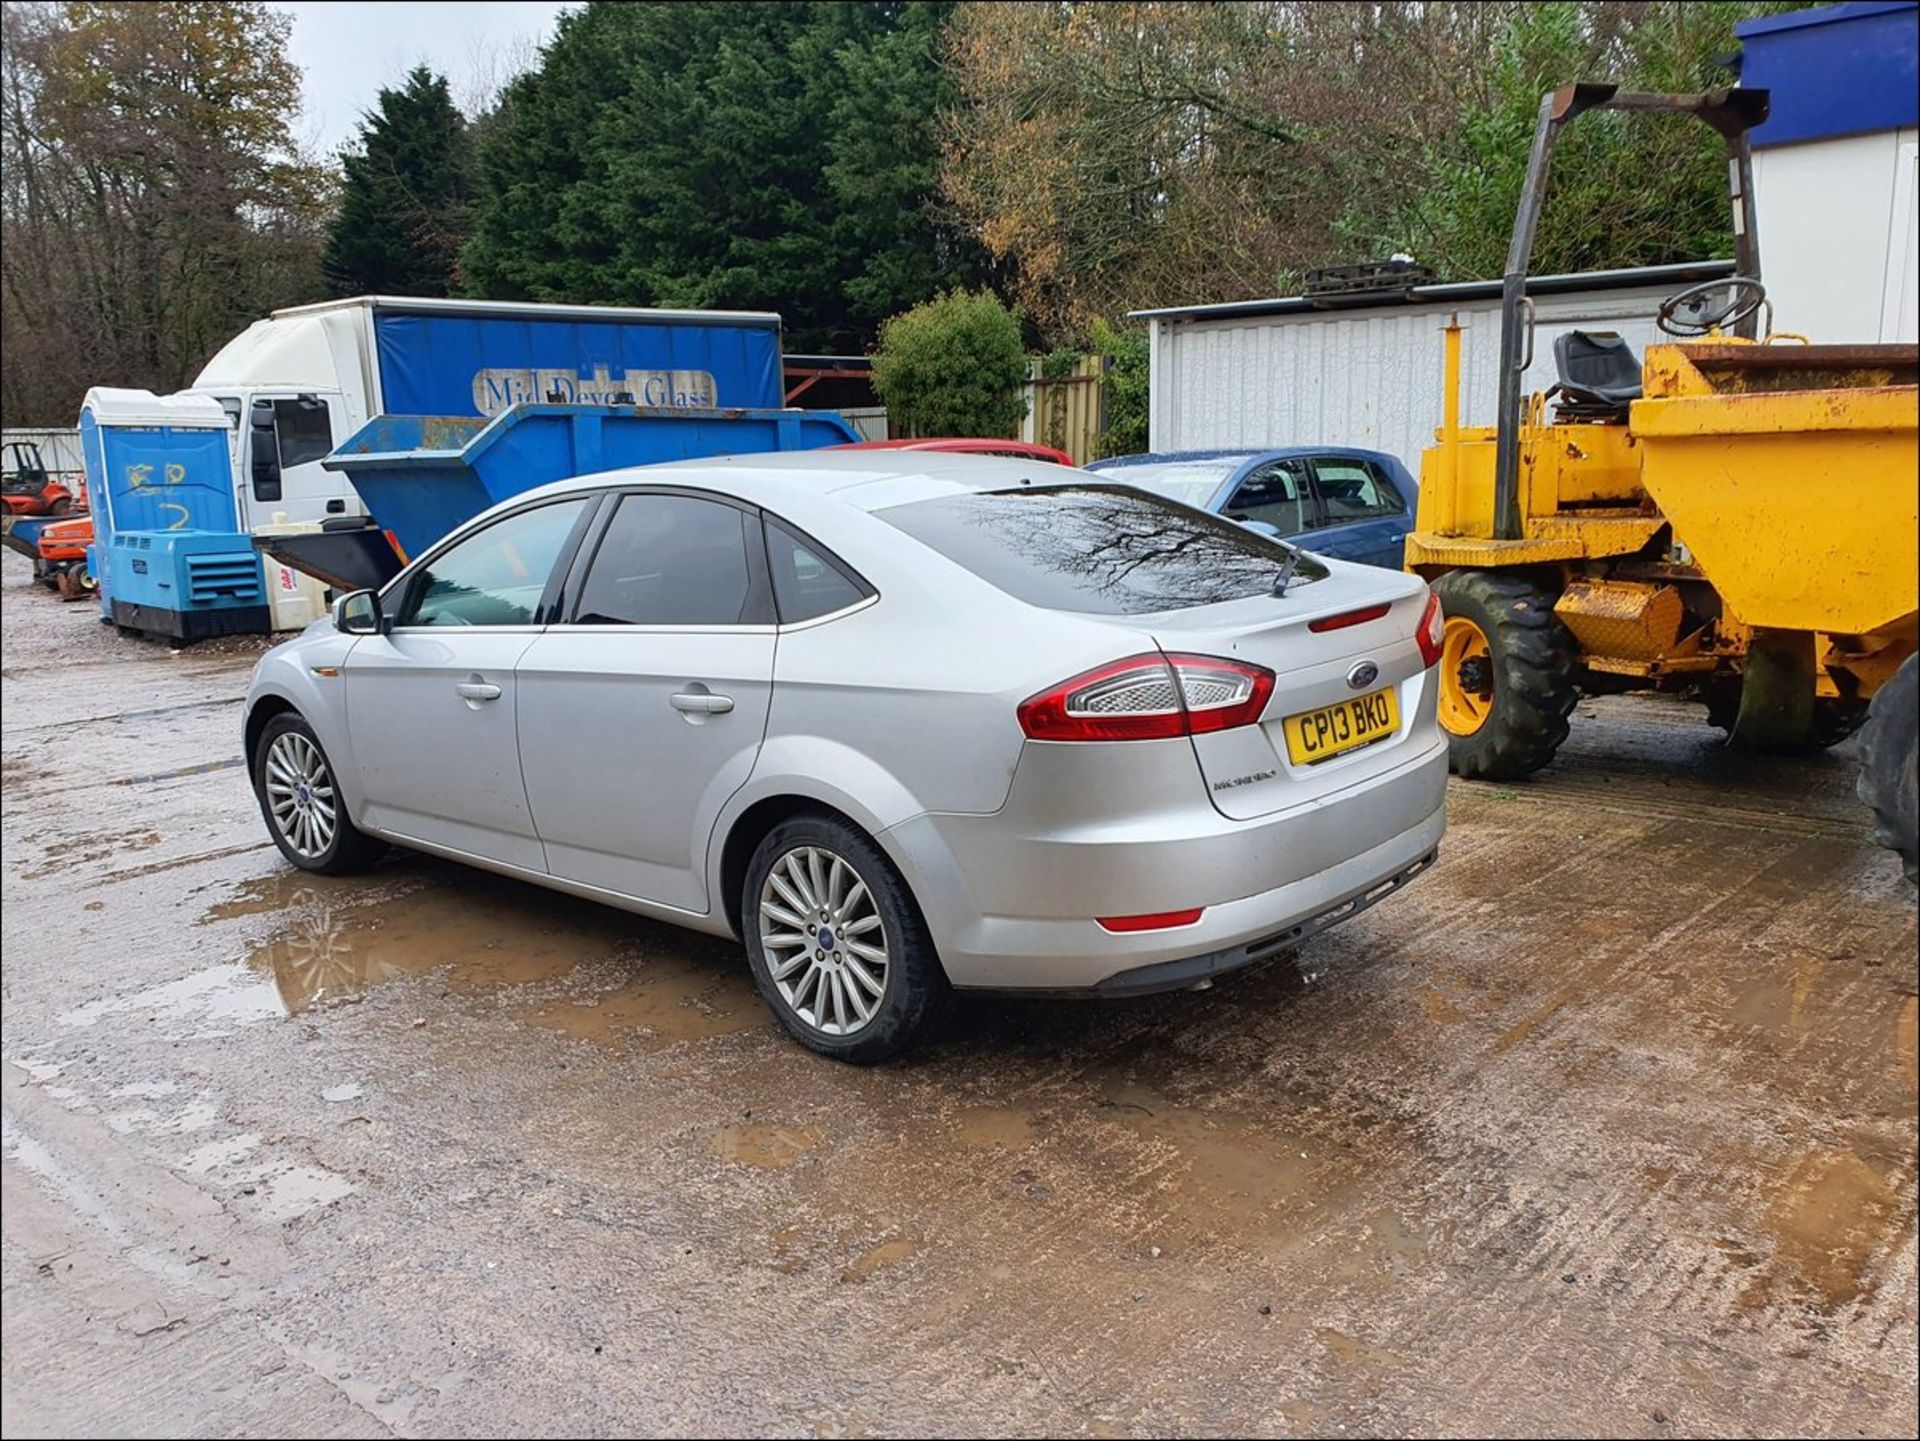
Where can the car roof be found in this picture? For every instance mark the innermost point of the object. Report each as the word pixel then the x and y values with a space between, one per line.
pixel 860 479
pixel 969 445
pixel 1248 454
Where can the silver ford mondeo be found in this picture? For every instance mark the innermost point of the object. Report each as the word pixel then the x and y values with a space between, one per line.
pixel 902 722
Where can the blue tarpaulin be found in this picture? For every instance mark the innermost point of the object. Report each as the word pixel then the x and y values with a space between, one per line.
pixel 453 364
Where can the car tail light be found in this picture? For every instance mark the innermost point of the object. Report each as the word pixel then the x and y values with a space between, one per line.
pixel 1433 626
pixel 1149 697
pixel 1158 921
pixel 1349 617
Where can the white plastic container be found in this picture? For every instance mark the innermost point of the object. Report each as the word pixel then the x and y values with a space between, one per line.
pixel 294 599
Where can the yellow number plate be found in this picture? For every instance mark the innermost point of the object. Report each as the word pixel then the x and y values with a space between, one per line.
pixel 1317 735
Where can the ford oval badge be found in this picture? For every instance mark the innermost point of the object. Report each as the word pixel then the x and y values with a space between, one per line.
pixel 1363 675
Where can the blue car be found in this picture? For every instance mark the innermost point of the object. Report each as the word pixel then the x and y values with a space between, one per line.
pixel 1354 504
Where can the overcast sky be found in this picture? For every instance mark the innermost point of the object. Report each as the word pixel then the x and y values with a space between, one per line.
pixel 348 50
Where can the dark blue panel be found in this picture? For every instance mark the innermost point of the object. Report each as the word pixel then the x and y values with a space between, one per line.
pixel 1842 70
pixel 481 364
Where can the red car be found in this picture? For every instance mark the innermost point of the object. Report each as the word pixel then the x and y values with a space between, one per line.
pixel 1011 449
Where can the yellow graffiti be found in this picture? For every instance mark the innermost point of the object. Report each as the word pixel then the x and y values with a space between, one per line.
pixel 176 473
pixel 185 514
pixel 139 475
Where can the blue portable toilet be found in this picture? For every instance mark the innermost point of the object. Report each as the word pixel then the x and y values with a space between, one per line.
pixel 168 549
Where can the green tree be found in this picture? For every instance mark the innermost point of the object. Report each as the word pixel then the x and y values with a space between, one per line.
pixel 1624 189
pixel 775 156
pixel 1158 152
pixel 403 200
pixel 1123 389
pixel 154 200
pixel 953 366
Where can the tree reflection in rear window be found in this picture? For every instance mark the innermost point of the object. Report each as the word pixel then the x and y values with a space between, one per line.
pixel 1100 549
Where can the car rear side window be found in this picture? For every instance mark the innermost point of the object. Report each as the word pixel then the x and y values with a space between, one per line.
pixel 1274 494
pixel 1105 550
pixel 1355 490
pixel 807 583
pixel 669 560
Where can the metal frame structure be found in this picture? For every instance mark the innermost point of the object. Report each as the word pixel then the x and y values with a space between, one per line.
pixel 1730 112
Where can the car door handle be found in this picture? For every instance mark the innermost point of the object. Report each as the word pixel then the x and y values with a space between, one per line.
pixel 693 703
pixel 473 690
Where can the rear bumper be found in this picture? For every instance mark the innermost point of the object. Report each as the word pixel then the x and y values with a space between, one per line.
pixel 1012 903
pixel 1178 975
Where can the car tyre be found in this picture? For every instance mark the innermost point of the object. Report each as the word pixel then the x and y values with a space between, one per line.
pixel 1890 765
pixel 1506 674
pixel 301 803
pixel 860 981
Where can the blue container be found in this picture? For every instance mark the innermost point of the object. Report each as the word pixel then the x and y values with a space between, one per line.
pixel 187 584
pixel 1846 69
pixel 421 476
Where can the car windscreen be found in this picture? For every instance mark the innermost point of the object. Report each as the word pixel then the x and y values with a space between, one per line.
pixel 1101 549
pixel 1191 482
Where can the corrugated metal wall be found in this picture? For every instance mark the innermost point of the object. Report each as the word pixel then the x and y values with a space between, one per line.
pixel 59 449
pixel 1369 378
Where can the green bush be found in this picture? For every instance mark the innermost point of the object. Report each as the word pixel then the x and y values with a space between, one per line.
pixel 1123 389
pixel 953 366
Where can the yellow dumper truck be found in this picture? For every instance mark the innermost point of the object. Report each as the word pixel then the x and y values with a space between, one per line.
pixel 1732 519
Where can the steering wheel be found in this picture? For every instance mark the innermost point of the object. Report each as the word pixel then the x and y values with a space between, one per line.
pixel 1701 316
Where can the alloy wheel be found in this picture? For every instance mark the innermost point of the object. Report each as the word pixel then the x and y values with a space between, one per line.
pixel 824 940
pixel 300 794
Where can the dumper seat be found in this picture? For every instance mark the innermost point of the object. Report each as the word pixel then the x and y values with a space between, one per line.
pixel 1599 375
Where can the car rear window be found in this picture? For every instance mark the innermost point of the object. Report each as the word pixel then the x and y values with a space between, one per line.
pixel 1191 482
pixel 1100 549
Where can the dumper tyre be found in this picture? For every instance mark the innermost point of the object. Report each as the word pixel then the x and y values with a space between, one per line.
pixel 300 800
pixel 1890 765
pixel 63 505
pixel 1834 718
pixel 1506 674
pixel 860 979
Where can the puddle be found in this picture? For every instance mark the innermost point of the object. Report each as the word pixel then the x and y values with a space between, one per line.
pixel 144 1090
pixel 292 1194
pixel 1830 1220
pixel 887 1253
pixel 1352 1351
pixel 1236 1176
pixel 220 1155
pixel 85 849
pixel 480 933
pixel 1774 1002
pixel 997 1128
pixel 765 1147
pixel 221 997
pixel 668 1003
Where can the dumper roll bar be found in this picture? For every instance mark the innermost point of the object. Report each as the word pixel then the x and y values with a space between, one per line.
pixel 1731 112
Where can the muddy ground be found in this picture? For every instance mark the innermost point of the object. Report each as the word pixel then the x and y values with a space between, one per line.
pixel 1605 1126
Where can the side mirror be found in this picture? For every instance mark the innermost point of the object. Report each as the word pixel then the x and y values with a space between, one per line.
pixel 265 452
pixel 359 613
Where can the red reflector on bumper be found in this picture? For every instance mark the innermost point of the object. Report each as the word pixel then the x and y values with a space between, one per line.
pixel 1350 617
pixel 1159 921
